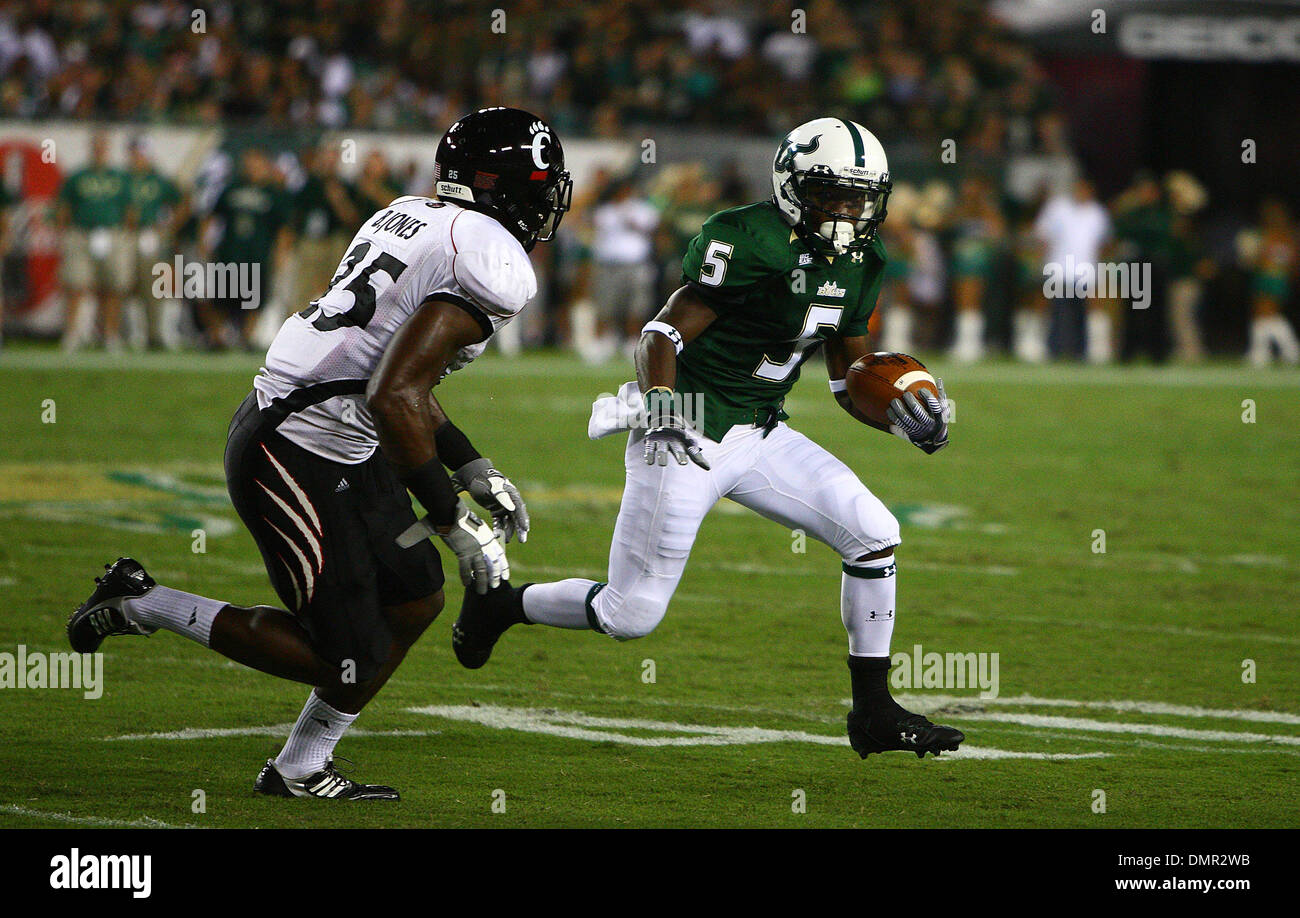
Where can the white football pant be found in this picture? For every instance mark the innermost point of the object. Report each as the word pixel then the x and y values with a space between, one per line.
pixel 785 477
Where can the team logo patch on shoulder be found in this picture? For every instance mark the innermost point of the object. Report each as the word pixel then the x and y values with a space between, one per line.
pixel 830 288
pixel 804 259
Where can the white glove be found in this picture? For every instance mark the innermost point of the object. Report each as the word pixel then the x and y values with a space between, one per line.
pixel 668 434
pixel 495 493
pixel 923 421
pixel 482 558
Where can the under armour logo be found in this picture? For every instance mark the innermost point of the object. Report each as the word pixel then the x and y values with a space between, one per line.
pixel 908 738
pixel 857 257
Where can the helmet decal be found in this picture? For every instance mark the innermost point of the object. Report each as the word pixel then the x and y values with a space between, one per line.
pixel 541 145
pixel 789 150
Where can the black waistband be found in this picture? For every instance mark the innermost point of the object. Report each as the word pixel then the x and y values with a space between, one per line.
pixel 274 414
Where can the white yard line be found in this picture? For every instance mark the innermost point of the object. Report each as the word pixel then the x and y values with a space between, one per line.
pixel 1054 722
pixel 195 733
pixel 576 725
pixel 933 702
pixel 145 822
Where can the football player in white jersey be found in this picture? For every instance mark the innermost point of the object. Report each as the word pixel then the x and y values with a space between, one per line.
pixel 342 424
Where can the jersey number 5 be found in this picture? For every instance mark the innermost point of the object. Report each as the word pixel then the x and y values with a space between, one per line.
pixel 358 284
pixel 714 266
pixel 819 316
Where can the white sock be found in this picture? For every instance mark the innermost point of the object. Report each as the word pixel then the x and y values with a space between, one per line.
pixel 897 333
pixel 1283 335
pixel 184 613
pixel 561 605
pixel 313 738
pixel 1031 336
pixel 867 606
pixel 1099 344
pixel 969 345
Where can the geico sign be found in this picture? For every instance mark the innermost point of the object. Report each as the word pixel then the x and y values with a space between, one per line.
pixel 1250 38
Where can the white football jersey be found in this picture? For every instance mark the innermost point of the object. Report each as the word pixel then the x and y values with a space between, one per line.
pixel 416 248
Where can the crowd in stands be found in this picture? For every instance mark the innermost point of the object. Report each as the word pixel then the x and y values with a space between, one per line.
pixel 967 259
pixel 942 69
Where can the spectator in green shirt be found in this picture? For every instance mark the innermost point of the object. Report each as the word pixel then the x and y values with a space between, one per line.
pixel 154 212
pixel 324 216
pixel 254 246
pixel 91 216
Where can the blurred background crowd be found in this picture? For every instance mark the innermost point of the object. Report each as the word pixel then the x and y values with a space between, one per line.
pixel 998 165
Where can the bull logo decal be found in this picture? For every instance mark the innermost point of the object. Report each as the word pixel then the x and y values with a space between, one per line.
pixel 789 150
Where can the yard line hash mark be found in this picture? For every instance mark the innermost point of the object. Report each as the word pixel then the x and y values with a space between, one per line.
pixel 576 725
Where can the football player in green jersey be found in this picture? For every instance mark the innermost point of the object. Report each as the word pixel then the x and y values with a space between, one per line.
pixel 764 286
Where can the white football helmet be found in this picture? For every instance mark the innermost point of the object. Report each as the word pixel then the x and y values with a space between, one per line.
pixel 829 159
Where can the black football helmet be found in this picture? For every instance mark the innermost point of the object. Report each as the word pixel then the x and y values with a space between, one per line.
pixel 509 165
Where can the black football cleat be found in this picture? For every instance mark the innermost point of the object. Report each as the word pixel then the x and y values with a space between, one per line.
pixel 326 784
pixel 102 615
pixel 483 619
pixel 896 728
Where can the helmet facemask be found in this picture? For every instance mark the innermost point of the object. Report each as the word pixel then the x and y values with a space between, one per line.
pixel 839 211
pixel 556 203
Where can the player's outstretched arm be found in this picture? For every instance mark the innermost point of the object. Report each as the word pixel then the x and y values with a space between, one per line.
pixel 402 404
pixel 681 320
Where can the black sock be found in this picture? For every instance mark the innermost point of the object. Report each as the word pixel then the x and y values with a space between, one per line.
pixel 517 616
pixel 870 678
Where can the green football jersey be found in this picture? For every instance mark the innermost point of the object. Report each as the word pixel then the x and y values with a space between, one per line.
pixel 152 194
pixel 253 214
pixel 777 299
pixel 97 196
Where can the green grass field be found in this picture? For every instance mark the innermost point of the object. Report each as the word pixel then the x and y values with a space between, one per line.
pixel 1119 672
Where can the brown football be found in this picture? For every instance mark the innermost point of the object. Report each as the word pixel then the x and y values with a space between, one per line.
pixel 876 379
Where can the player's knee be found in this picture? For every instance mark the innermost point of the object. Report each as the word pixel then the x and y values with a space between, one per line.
pixel 409 620
pixel 875 531
pixel 635 616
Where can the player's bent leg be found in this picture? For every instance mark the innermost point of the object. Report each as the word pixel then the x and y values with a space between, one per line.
pixel 127 601
pixel 305 766
pixel 659 516
pixel 407 622
pixel 802 486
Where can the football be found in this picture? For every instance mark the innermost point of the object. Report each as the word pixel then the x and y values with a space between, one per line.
pixel 876 379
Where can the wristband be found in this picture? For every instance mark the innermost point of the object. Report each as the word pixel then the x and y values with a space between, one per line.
pixel 433 489
pixel 454 448
pixel 838 386
pixel 667 331
pixel 660 406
